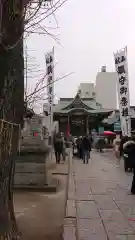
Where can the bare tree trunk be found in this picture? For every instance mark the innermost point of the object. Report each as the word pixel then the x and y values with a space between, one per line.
pixel 11 107
pixel 12 62
pixel 13 94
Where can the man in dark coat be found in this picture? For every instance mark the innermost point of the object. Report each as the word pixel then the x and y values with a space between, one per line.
pixel 79 147
pixel 58 147
pixel 86 148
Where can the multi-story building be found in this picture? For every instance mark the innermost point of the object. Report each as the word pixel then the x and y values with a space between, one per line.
pixel 87 90
pixel 106 91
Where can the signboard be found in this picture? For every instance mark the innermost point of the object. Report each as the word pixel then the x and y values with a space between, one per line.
pixel 78 122
pixel 117 127
pixel 50 86
pixel 123 91
pixel 35 123
pixel 101 130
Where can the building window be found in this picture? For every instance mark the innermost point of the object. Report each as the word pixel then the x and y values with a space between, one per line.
pixel 93 94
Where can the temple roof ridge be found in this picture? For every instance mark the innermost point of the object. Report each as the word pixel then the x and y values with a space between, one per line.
pixel 77 100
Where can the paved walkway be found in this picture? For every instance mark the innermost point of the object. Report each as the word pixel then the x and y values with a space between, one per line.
pixel 105 209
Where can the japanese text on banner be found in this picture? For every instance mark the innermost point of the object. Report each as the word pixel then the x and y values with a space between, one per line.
pixel 50 85
pixel 123 91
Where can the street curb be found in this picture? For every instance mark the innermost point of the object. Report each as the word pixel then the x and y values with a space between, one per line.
pixel 69 226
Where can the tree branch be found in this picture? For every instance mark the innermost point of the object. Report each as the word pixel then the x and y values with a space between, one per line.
pixel 58 79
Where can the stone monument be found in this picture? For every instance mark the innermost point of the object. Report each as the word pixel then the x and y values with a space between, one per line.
pixel 30 170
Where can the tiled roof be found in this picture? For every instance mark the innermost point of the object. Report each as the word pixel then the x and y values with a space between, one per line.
pixel 89 105
pixel 92 111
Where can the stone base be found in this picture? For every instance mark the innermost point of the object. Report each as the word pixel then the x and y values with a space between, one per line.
pixel 31 170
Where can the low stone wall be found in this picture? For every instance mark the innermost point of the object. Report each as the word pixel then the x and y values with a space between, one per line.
pixel 69 228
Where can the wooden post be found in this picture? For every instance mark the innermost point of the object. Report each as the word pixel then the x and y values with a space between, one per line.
pixel 87 125
pixel 69 121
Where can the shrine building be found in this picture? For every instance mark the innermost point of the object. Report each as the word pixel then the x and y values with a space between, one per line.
pixel 79 116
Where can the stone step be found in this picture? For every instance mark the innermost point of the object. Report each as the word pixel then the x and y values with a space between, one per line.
pixel 52 186
pixel 31 158
pixel 30 178
pixel 30 167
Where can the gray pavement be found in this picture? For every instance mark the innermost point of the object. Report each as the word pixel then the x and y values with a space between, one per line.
pixel 105 209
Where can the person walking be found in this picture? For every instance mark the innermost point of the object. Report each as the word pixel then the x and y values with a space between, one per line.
pixel 79 147
pixel 86 148
pixel 129 149
pixel 133 167
pixel 123 154
pixel 58 148
pixel 123 140
pixel 74 145
pixel 100 143
pixel 116 146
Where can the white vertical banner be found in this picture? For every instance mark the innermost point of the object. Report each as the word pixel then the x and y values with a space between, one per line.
pixel 49 57
pixel 121 66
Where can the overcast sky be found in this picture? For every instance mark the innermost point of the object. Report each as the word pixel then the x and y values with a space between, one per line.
pixel 89 32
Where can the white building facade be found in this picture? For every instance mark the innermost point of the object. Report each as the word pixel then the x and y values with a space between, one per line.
pixel 105 88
